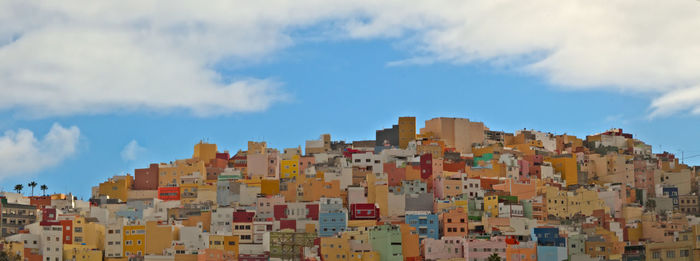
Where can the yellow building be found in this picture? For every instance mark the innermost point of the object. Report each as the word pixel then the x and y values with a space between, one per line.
pixel 566 165
pixel 270 187
pixel 335 249
pixel 91 234
pixel 78 252
pixel 378 192
pixel 585 201
pixel 226 243
pixel 491 204
pixel 289 168
pixel 444 206
pixel 170 174
pixel 134 242
pixel 204 151
pixel 158 237
pixel 634 232
pixel 116 187
pixel 257 147
pixel 565 204
pixel 188 193
pixel 407 131
pixel 364 256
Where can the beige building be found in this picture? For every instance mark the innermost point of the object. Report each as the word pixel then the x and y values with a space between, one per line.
pixel 459 133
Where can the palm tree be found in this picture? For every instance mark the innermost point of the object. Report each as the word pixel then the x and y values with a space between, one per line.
pixel 32 185
pixel 44 188
pixel 19 188
pixel 494 257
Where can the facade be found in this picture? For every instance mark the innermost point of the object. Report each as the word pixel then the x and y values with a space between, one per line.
pixel 332 223
pixel 243 225
pixel 134 240
pixel 386 240
pixel 426 224
pixel 455 223
pixel 16 216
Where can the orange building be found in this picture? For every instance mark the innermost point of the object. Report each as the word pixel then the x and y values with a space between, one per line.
pixel 407 131
pixel 454 222
pixel 567 166
pixel 525 251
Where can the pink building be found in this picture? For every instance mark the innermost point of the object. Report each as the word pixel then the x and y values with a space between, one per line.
pixel 395 175
pixel 445 248
pixel 263 165
pixel 445 186
pixel 524 189
pixel 305 162
pixel 357 195
pixel 482 249
pixel 265 207
pixel 643 175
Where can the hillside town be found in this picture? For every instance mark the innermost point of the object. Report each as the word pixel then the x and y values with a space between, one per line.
pixel 452 190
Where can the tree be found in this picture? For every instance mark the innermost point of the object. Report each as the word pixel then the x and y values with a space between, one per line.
pixel 44 188
pixel 32 185
pixel 19 188
pixel 9 256
pixel 494 257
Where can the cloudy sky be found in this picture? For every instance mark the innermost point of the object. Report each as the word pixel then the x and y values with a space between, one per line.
pixel 93 90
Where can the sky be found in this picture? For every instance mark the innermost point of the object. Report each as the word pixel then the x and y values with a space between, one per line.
pixel 95 91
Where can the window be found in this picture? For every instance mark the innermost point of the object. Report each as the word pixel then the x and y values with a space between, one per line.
pixel 685 253
pixel 670 253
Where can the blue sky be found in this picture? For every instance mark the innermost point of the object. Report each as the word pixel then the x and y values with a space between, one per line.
pixel 332 77
pixel 347 89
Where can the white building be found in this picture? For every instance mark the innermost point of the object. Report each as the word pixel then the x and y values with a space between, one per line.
pixel 52 242
pixel 221 219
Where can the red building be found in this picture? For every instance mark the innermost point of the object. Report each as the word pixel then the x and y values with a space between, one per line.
pixel 169 193
pixel 426 166
pixel 67 231
pixel 243 216
pixel 146 179
pixel 364 211
pixel 40 201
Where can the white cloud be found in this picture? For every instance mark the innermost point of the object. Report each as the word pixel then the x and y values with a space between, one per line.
pixel 22 153
pixel 69 57
pixel 132 151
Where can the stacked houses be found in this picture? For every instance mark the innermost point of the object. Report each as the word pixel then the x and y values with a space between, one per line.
pixel 452 190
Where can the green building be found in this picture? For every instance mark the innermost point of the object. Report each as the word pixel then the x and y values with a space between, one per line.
pixel 386 240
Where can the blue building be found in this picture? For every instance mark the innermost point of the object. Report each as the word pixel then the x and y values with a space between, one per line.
pixel 331 223
pixel 548 236
pixel 672 192
pixel 553 253
pixel 550 245
pixel 426 224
